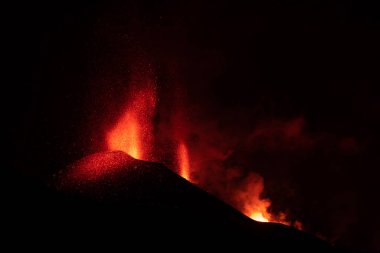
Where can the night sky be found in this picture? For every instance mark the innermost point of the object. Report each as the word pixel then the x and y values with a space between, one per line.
pixel 249 72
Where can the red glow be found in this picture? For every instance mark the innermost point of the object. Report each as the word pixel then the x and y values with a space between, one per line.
pixel 126 136
pixel 184 161
pixel 133 132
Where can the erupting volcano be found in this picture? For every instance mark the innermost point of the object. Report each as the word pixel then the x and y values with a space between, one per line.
pixel 134 133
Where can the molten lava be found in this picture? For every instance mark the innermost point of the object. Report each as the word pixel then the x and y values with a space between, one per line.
pixel 255 207
pixel 248 199
pixel 258 217
pixel 133 133
pixel 184 161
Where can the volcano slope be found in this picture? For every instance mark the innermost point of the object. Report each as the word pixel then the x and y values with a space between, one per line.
pixel 113 198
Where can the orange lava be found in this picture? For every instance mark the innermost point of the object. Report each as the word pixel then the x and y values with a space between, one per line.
pixel 256 207
pixel 126 136
pixel 252 204
pixel 133 132
pixel 258 217
pixel 184 162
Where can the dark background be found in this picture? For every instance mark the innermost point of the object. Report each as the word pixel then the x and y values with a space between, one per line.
pixel 247 63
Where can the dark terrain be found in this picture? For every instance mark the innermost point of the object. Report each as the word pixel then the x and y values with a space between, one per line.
pixel 115 199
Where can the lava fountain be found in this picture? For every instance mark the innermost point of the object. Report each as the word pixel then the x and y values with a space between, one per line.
pixel 133 132
pixel 183 161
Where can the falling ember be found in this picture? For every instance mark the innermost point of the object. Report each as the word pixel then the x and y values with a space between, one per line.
pixel 133 132
pixel 96 166
pixel 183 160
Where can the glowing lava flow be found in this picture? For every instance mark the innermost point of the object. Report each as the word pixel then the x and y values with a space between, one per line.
pixel 183 160
pixel 133 133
